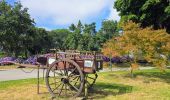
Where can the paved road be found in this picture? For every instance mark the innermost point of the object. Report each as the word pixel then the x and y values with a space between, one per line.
pixel 15 74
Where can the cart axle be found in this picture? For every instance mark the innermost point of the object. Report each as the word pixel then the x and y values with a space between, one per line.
pixel 65 80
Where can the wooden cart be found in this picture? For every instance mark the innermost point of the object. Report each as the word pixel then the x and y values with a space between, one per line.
pixel 70 73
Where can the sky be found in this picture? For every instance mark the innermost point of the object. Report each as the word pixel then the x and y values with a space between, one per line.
pixel 56 14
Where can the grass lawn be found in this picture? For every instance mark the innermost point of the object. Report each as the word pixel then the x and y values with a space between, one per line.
pixel 146 85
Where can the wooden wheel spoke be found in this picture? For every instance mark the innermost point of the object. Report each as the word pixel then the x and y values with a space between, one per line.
pixel 66 72
pixel 71 92
pixel 73 87
pixel 54 83
pixel 72 72
pixel 60 74
pixel 64 79
pixel 65 89
pixel 61 90
pixel 74 77
pixel 56 87
pixel 64 68
pixel 74 81
pixel 77 80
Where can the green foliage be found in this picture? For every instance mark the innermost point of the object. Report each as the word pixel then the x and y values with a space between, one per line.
pixel 16 28
pixel 90 29
pixel 72 41
pixel 141 43
pixel 41 37
pixel 86 38
pixel 109 28
pixel 82 37
pixel 2 54
pixel 167 10
pixel 72 27
pixel 154 13
pixel 19 36
pixel 59 36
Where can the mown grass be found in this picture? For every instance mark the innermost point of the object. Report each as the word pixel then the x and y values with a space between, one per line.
pixel 16 83
pixel 145 85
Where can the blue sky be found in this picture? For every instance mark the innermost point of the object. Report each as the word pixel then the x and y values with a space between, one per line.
pixel 55 14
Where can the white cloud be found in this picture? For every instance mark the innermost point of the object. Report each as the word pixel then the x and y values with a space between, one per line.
pixel 64 12
pixel 113 14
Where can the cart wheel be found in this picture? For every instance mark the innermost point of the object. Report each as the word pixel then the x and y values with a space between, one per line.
pixel 90 79
pixel 64 79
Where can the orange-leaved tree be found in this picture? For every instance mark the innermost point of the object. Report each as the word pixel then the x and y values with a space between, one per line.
pixel 142 43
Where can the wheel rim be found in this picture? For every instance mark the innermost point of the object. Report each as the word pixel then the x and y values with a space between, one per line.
pixel 66 81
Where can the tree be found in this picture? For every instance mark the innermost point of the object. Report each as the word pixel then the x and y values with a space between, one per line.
pixel 84 42
pixel 154 13
pixel 16 28
pixel 42 37
pixel 72 27
pixel 59 36
pixel 4 10
pixel 93 44
pixel 141 43
pixel 72 41
pixel 79 27
pixel 109 29
pixel 90 29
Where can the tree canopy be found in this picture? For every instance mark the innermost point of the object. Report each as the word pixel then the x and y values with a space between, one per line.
pixel 141 43
pixel 20 36
pixel 16 28
pixel 154 13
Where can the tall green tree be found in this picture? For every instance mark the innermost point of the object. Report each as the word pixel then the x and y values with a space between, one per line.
pixel 16 28
pixel 5 9
pixel 79 27
pixel 90 29
pixel 42 42
pixel 82 37
pixel 59 36
pixel 154 13
pixel 108 30
pixel 72 27
pixel 72 41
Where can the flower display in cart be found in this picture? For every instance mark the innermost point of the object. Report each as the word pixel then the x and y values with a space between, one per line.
pixel 6 60
pixel 31 60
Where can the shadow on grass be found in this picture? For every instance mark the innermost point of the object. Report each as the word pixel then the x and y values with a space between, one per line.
pixel 151 74
pixel 165 76
pixel 101 90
